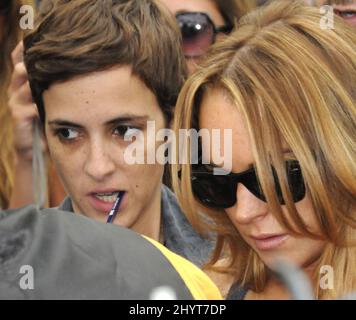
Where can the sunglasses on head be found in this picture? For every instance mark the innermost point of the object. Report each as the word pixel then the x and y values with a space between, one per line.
pixel 219 191
pixel 198 32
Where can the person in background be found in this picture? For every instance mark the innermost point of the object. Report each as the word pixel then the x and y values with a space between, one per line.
pixel 9 37
pixel 18 165
pixel 202 22
pixel 14 187
pixel 290 103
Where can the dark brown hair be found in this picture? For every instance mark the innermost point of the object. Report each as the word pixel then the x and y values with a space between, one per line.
pixel 78 37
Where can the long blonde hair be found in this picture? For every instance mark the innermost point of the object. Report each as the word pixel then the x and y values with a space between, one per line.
pixel 292 81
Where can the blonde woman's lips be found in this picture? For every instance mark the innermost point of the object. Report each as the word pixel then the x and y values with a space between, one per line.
pixel 269 242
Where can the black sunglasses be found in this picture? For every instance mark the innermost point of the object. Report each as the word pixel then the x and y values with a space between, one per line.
pixel 198 32
pixel 219 191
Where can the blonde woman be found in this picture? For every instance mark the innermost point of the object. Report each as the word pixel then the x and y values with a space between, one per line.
pixel 286 88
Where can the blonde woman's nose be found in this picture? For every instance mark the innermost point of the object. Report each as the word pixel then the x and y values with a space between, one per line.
pixel 247 208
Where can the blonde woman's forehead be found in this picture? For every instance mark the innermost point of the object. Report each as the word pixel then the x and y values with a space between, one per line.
pixel 217 112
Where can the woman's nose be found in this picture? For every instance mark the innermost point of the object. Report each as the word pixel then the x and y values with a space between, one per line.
pixel 100 161
pixel 247 207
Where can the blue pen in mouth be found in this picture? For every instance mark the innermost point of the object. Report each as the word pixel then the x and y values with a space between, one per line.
pixel 115 208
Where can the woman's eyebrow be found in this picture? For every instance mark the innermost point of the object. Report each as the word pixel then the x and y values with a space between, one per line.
pixel 64 123
pixel 120 119
pixel 184 11
pixel 126 118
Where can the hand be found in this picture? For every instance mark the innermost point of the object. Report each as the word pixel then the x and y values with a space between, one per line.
pixel 22 107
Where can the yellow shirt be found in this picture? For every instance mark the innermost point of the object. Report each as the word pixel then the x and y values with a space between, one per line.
pixel 199 284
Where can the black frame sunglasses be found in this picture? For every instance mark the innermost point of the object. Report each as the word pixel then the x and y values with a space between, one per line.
pixel 198 32
pixel 219 191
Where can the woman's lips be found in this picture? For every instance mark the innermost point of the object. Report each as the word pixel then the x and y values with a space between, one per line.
pixel 103 206
pixel 348 13
pixel 264 243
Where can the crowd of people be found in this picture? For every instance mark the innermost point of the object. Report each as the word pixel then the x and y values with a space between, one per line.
pixel 93 74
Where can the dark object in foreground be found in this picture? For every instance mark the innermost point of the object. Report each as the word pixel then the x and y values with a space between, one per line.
pixel 73 257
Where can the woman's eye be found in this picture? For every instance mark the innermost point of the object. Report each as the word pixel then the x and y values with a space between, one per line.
pixel 126 131
pixel 67 134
